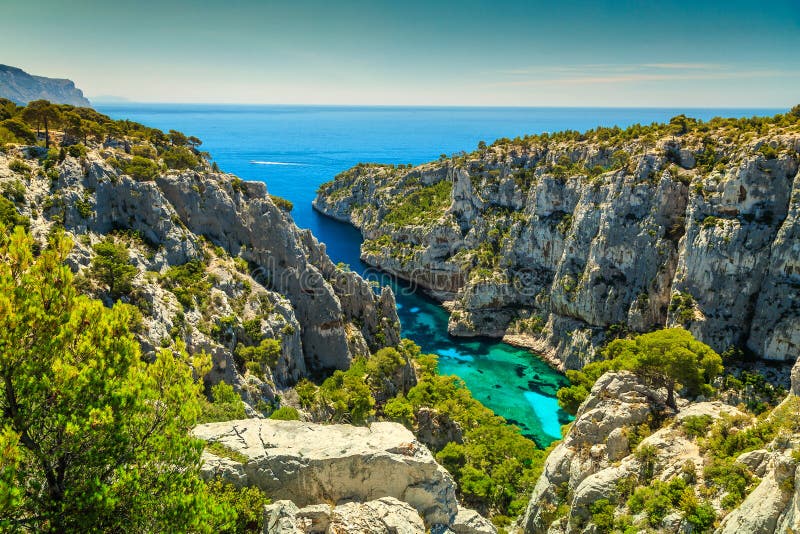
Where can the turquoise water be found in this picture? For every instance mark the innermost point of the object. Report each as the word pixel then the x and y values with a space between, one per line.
pixel 296 148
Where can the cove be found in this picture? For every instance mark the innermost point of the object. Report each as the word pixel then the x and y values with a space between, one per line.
pixel 296 148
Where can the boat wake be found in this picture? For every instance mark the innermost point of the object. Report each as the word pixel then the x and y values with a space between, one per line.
pixel 277 163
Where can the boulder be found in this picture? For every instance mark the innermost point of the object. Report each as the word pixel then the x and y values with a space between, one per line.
pixel 471 522
pixel 386 515
pixel 309 463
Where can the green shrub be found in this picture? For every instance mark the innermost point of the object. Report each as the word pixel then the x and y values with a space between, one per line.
pixel 696 425
pixel 141 169
pixel 282 203
pixel 188 282
pixel 266 353
pixel 226 405
pixel 19 167
pixel 180 158
pixel 111 268
pixel 13 191
pixel 422 206
pixel 285 413
pixel 10 217
pixel 247 503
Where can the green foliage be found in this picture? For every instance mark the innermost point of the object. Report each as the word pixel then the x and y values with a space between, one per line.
pixel 768 151
pixel 223 451
pixel 246 504
pixel 85 417
pixel 696 425
pixel 266 353
pixel 10 217
pixel 226 405
pixel 602 514
pixel 140 168
pixel 307 391
pixel 398 409
pixel 285 413
pixel 730 477
pixel 188 282
pixel 682 304
pixel 111 268
pixel 19 167
pixel 422 206
pixel 282 203
pixel 347 395
pixel 17 132
pixel 179 158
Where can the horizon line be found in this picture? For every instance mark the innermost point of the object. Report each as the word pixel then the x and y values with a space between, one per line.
pixel 430 106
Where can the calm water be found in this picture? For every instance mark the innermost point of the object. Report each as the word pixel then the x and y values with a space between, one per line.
pixel 296 148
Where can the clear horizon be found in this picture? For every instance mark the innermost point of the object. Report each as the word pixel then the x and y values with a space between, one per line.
pixel 474 53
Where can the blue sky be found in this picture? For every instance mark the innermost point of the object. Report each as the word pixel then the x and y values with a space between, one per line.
pixel 471 52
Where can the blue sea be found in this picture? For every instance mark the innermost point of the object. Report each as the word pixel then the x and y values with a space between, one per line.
pixel 296 148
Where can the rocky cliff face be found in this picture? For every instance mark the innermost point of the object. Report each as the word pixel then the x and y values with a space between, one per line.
pixel 649 469
pixel 557 242
pixel 21 87
pixel 219 264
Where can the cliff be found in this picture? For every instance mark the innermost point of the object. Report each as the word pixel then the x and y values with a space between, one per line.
pixel 218 265
pixel 21 87
pixel 627 465
pixel 560 242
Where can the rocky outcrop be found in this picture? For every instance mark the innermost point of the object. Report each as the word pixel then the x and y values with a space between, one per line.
pixel 310 464
pixel 255 267
pixel 386 515
pixel 555 243
pixel 597 461
pixel 21 87
pixel 471 522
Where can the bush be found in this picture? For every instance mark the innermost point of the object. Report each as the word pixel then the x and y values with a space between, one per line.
pixel 266 353
pixel 19 131
pixel 247 504
pixel 140 168
pixel 13 191
pixel 180 158
pixel 282 203
pixel 10 217
pixel 696 425
pixel 188 282
pixel 19 167
pixel 285 413
pixel 226 405
pixel 111 267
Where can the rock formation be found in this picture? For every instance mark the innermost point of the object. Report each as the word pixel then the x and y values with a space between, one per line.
pixel 558 242
pixel 21 87
pixel 310 464
pixel 256 267
pixel 597 461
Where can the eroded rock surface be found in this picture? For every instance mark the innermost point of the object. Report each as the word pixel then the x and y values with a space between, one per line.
pixel 308 464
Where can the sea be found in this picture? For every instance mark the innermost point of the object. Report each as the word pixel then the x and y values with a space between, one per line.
pixel 294 149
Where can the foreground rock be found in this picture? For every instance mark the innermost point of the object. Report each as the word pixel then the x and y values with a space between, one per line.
pixel 386 515
pixel 310 464
pixel 596 459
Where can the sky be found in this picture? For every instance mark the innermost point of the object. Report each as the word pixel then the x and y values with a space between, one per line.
pixel 667 53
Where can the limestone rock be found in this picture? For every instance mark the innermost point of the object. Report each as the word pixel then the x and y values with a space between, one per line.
pixel 471 522
pixel 661 241
pixel 386 515
pixel 762 509
pixel 308 463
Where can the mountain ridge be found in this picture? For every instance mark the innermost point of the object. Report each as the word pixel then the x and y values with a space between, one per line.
pixel 21 87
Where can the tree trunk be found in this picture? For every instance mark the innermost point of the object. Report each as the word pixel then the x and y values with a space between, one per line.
pixel 46 135
pixel 671 395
